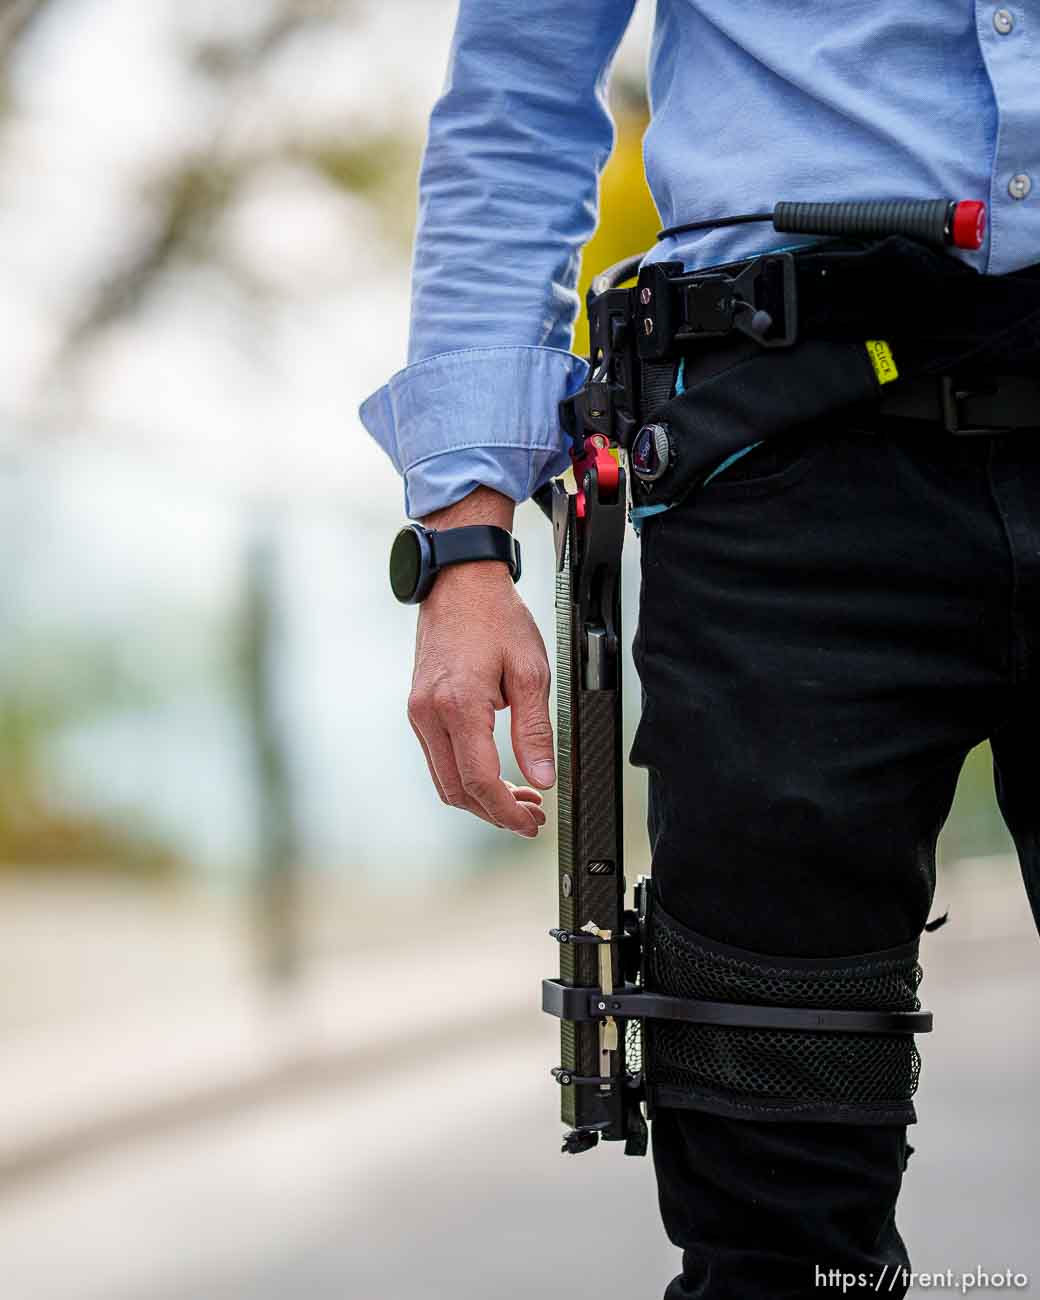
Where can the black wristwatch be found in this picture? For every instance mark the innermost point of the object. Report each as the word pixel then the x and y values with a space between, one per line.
pixel 418 555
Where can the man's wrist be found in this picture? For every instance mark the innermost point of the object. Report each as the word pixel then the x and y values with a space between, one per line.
pixel 419 557
pixel 471 536
pixel 482 506
pixel 474 585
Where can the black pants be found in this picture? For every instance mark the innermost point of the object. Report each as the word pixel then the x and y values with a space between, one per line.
pixel 826 630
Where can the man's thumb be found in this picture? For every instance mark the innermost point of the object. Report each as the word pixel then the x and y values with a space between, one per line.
pixel 527 689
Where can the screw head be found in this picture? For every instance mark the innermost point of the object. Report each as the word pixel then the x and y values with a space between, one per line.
pixel 601 1006
pixel 645 295
pixel 566 884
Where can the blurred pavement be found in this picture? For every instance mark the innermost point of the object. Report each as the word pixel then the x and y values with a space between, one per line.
pixel 428 1166
pixel 126 1010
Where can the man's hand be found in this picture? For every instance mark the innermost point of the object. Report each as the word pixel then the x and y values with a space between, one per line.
pixel 477 650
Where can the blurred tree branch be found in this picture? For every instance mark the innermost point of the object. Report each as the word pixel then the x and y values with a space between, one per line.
pixel 192 191
pixel 228 59
pixel 15 20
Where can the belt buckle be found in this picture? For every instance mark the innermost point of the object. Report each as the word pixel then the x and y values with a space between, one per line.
pixel 777 302
pixel 950 399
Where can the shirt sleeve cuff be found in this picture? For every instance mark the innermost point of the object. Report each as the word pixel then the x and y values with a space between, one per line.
pixel 479 416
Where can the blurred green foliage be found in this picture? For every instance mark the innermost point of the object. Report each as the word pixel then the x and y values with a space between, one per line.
pixel 628 218
pixel 46 689
pixel 975 827
pixel 191 190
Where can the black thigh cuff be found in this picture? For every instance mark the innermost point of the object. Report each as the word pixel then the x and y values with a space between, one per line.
pixel 779 1074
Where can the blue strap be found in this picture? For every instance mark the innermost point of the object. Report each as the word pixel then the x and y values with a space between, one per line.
pixel 638 513
pixel 730 459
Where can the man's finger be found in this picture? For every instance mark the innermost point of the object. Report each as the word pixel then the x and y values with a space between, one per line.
pixel 440 756
pixel 476 758
pixel 525 793
pixel 429 761
pixel 424 720
pixel 530 799
pixel 526 687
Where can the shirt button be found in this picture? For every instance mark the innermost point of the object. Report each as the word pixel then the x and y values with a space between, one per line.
pixel 1019 186
pixel 1003 21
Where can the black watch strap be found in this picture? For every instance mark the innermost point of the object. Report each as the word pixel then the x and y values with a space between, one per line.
pixel 475 542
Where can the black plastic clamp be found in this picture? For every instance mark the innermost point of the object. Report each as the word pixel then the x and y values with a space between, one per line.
pixel 565 1078
pixel 579 936
pixel 758 298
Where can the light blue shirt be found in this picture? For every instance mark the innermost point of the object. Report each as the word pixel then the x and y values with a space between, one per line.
pixel 752 101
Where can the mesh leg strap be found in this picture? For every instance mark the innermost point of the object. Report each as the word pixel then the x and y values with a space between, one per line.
pixel 780 1074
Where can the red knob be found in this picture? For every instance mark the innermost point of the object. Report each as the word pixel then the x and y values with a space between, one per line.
pixel 968 227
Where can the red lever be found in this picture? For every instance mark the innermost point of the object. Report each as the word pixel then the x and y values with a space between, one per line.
pixel 968 227
pixel 597 453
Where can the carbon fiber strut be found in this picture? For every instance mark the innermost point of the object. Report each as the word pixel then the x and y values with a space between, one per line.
pixel 589 529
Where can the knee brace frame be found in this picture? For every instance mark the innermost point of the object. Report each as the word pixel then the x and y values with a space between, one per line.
pixel 694 1023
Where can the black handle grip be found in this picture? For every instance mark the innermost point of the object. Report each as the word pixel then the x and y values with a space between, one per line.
pixel 927 220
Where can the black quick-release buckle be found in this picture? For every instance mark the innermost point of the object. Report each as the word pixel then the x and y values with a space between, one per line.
pixel 759 300
pixel 950 399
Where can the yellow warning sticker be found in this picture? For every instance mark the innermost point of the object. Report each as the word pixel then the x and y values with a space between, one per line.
pixel 882 360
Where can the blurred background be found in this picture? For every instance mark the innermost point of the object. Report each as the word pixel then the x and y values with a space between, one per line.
pixel 268 1011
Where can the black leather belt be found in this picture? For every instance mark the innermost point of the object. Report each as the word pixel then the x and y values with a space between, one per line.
pixel 983 407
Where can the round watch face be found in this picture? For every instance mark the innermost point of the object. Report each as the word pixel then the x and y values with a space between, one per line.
pixel 405 565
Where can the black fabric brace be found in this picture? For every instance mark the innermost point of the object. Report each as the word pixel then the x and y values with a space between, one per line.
pixel 770 1060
